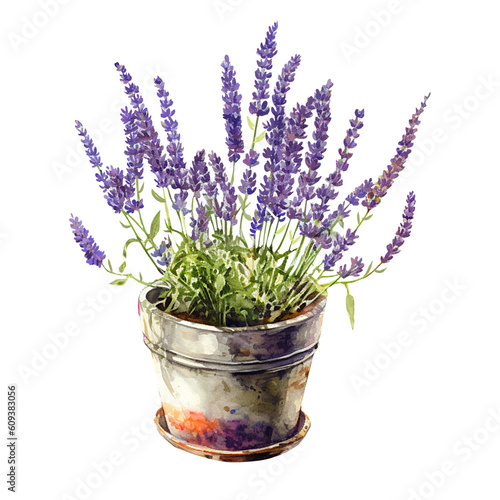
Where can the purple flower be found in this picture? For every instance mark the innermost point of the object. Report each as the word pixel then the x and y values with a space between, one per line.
pixel 266 53
pixel 317 148
pixel 118 190
pixel 147 137
pixel 92 253
pixel 133 151
pixel 309 229
pixel 164 257
pixel 175 150
pixel 89 146
pixel 290 153
pixel 227 208
pixel 335 255
pixel 249 179
pixel 199 175
pixel 360 192
pixel 275 187
pixel 323 241
pixel 340 245
pixel 385 181
pixel 180 202
pixel 355 269
pixel 232 110
pixel 248 182
pixel 200 223
pixel 293 212
pixel 403 231
pixel 326 192
pixel 350 141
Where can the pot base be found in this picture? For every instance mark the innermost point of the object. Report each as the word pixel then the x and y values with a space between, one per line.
pixel 235 456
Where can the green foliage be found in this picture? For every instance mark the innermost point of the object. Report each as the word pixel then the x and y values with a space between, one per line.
pixel 230 284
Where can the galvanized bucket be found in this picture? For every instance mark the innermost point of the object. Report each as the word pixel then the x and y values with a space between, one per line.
pixel 231 394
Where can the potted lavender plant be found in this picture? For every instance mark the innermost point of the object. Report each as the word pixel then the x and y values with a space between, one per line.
pixel 233 316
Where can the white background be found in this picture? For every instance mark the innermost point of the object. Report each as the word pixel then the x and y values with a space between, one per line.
pixel 381 427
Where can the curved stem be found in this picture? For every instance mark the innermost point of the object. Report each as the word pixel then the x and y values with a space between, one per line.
pixel 126 275
pixel 142 244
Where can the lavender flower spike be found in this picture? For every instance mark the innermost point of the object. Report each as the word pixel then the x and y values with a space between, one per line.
pixel 355 269
pixel 266 52
pixel 164 256
pixel 385 181
pixel 275 186
pixel 227 208
pixel 232 110
pixel 93 255
pixel 147 137
pixel 403 231
pixel 118 189
pixel 177 171
pixel 89 146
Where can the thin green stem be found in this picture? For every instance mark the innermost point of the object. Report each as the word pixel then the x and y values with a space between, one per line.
pixel 142 243
pixel 129 275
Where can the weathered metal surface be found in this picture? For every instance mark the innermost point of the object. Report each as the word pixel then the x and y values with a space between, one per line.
pixel 231 389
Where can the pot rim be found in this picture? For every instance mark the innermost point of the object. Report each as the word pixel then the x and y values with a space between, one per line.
pixel 316 310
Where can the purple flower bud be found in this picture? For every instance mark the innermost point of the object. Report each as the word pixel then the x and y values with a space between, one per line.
pixel 385 181
pixel 147 137
pixel 200 223
pixel 89 146
pixel 266 53
pixel 177 166
pixel 94 256
pixel 403 231
pixel 355 269
pixel 359 193
pixel 227 208
pixel 232 110
pixel 180 202
pixel 199 175
pixel 339 245
pixel 165 257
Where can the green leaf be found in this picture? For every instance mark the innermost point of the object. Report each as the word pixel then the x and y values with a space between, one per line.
pixel 123 266
pixel 341 223
pixel 131 240
pixel 349 304
pixel 219 283
pixel 110 266
pixel 155 226
pixel 141 189
pixel 380 270
pixel 250 123
pixel 357 217
pixel 281 229
pixel 157 197
pixel 260 136
pixel 368 217
pixel 247 217
pixel 369 268
pixel 126 226
pixel 119 282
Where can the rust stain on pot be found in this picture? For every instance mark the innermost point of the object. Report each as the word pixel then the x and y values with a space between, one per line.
pixel 300 384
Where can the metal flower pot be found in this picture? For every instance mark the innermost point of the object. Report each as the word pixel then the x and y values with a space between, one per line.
pixel 231 394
